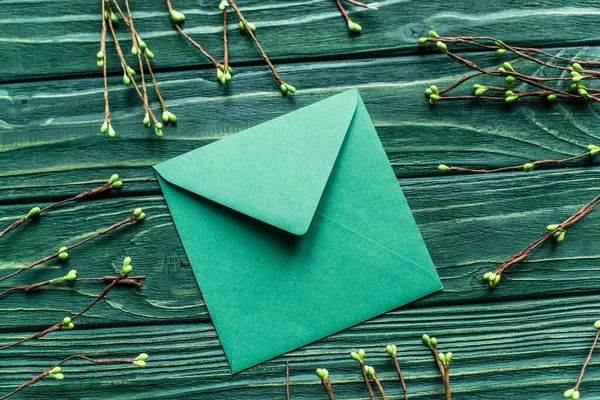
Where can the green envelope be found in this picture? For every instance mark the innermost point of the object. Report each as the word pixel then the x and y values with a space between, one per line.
pixel 296 229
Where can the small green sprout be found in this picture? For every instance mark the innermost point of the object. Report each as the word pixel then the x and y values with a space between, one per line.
pixel 493 278
pixel 391 349
pixel 322 373
pixel 177 17
pixel 508 67
pixel 34 212
pixel 140 361
pixel 127 267
pixel 528 167
pixel 354 27
pixel 571 394
pixel 158 129
pixel 242 25
pixel 441 46
pixel 62 253
pixel 67 324
pixel 56 373
pixel 287 88
pixel 358 356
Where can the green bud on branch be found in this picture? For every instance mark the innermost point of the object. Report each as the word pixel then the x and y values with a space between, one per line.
pixel 322 373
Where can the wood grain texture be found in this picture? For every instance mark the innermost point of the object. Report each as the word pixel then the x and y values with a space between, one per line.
pixel 520 350
pixel 470 225
pixel 289 30
pixel 61 120
pixel 526 339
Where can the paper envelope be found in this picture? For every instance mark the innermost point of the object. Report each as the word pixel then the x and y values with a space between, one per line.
pixel 296 229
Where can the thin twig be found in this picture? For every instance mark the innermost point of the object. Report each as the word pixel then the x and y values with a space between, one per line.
pixel 81 196
pixel 287 380
pixel 566 224
pixel 76 356
pixel 358 3
pixel 577 93
pixel 132 281
pixel 366 380
pixel 126 70
pixel 189 39
pixel 518 167
pixel 225 43
pixel 255 40
pixel 55 255
pixel 340 7
pixel 444 372
pixel 104 74
pixel 135 36
pixel 379 387
pixel 399 372
pixel 59 326
pixel 587 361
pixel 326 383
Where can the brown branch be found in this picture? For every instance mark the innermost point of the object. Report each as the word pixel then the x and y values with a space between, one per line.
pixel 255 40
pixel 287 380
pixel 444 371
pixel 133 281
pixel 104 74
pixel 366 380
pixel 80 196
pixel 518 167
pixel 379 387
pixel 55 255
pixel 515 50
pixel 447 389
pixel 155 84
pixel 225 43
pixel 326 383
pixel 562 227
pixel 76 356
pixel 460 81
pixel 358 3
pixel 135 36
pixel 340 7
pixel 399 372
pixel 60 325
pixel 587 361
pixel 126 69
pixel 522 53
pixel 189 39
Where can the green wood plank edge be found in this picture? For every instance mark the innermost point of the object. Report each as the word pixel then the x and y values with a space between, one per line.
pixel 470 225
pixel 61 119
pixel 43 41
pixel 520 349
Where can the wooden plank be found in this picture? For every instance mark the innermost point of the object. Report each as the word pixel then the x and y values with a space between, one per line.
pixel 522 349
pixel 470 225
pixel 60 38
pixel 49 133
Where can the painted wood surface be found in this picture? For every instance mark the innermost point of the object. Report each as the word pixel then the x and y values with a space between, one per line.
pixel 527 339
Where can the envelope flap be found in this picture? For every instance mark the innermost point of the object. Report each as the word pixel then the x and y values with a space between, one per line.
pixel 275 172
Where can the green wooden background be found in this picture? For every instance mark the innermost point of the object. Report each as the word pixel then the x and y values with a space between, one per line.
pixel 525 340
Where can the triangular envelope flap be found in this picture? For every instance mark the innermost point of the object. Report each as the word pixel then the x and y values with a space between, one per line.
pixel 276 171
